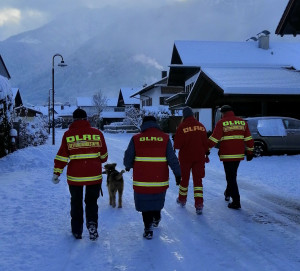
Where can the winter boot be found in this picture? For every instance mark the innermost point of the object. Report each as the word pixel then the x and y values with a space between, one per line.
pixel 234 205
pixel 148 234
pixel 77 235
pixel 227 198
pixel 92 228
pixel 155 222
pixel 182 204
pixel 199 210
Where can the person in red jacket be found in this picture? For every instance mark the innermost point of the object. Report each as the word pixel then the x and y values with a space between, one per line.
pixel 150 154
pixel 233 134
pixel 191 140
pixel 83 149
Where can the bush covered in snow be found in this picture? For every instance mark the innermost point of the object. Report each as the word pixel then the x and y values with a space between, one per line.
pixel 6 110
pixel 32 133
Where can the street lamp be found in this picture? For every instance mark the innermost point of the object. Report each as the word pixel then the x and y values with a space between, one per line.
pixel 61 64
pixel 49 110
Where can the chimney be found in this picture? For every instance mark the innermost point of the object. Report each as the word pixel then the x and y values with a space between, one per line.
pixel 264 39
pixel 164 74
pixel 263 42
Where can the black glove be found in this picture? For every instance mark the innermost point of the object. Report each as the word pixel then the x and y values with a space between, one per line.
pixel 127 169
pixel 249 157
pixel 178 180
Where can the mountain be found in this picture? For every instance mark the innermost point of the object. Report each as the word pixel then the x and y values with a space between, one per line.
pixel 110 48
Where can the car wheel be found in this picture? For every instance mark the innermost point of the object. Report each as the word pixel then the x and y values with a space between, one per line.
pixel 259 149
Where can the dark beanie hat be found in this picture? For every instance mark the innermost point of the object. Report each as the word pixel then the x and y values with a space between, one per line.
pixel 226 108
pixel 149 118
pixel 79 114
pixel 187 112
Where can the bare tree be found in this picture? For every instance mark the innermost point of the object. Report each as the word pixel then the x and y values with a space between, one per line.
pixel 133 116
pixel 100 102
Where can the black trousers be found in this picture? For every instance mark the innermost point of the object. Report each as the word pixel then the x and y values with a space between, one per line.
pixel 232 189
pixel 149 216
pixel 91 207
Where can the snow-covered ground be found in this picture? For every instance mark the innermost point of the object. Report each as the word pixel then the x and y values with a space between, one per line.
pixel 263 235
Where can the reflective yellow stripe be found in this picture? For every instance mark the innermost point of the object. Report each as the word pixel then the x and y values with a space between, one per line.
pixel 183 193
pixel 150 159
pixel 57 170
pixel 249 149
pixel 198 195
pixel 151 184
pixel 248 138
pixel 84 156
pixel 213 139
pixel 84 179
pixel 104 156
pixel 183 188
pixel 61 158
pixel 232 156
pixel 198 188
pixel 232 137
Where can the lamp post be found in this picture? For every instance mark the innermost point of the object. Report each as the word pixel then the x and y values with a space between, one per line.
pixel 49 110
pixel 61 64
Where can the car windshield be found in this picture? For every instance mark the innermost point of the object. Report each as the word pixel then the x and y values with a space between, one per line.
pixel 271 127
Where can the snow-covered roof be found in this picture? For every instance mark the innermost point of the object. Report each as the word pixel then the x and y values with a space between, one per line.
pixel 113 115
pixel 66 110
pixel 14 91
pixel 204 53
pixel 85 101
pixel 161 82
pixel 127 92
pixel 255 80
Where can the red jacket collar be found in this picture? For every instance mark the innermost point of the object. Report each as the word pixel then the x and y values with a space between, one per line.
pixel 80 123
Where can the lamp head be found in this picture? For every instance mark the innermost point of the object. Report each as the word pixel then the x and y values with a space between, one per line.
pixel 62 64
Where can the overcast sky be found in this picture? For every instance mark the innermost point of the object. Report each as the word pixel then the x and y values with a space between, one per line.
pixel 17 16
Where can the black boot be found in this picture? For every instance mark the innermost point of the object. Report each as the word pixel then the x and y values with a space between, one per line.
pixel 92 228
pixel 227 198
pixel 148 233
pixel 77 235
pixel 234 205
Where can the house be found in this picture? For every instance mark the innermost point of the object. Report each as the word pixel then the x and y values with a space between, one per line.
pixel 87 104
pixel 3 70
pixel 256 77
pixel 112 113
pixel 125 99
pixel 290 21
pixel 155 95
pixel 17 99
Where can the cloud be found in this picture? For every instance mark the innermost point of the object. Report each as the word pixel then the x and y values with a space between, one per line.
pixel 9 15
pixel 148 61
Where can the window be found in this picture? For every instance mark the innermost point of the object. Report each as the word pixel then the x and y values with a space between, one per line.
pixel 291 124
pixel 162 100
pixel 149 101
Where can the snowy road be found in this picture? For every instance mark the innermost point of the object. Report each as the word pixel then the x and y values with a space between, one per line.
pixel 263 235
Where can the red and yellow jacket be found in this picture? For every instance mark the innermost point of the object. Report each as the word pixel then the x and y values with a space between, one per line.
pixel 191 140
pixel 233 134
pixel 150 171
pixel 83 149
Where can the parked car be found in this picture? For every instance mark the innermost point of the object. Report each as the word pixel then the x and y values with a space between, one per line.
pixel 274 134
